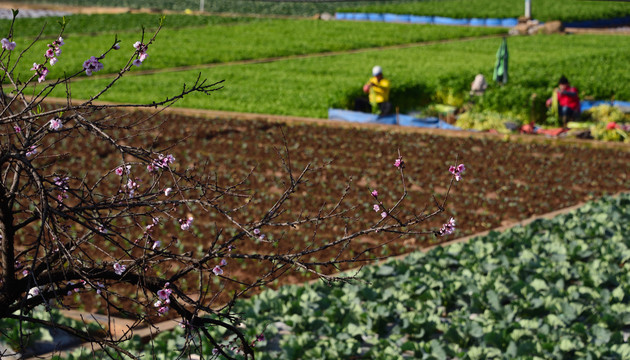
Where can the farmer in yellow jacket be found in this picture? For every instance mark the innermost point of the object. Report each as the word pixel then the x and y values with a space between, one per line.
pixel 378 89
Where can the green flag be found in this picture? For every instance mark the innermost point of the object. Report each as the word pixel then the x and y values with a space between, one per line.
pixel 501 65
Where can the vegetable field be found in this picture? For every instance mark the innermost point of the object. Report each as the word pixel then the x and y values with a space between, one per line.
pixel 554 289
pixel 224 40
pixel 309 86
pixel 494 192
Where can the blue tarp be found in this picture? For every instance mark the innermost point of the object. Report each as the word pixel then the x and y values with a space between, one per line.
pixel 587 104
pixel 403 120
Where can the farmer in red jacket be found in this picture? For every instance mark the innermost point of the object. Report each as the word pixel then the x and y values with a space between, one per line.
pixel 567 100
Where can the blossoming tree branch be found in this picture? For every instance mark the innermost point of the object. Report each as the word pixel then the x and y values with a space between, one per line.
pixel 111 234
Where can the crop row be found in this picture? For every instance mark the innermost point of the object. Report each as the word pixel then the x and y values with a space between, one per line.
pixel 309 86
pixel 556 289
pixel 228 41
pixel 543 10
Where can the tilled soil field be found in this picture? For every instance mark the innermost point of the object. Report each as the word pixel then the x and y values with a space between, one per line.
pixel 507 180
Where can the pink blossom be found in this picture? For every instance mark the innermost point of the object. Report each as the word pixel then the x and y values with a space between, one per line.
pixel 376 208
pixel 217 270
pixel 55 124
pixel 223 262
pixel 447 228
pixel 34 291
pixel 137 62
pixel 457 171
pixel 7 44
pixel 158 303
pixel 116 46
pixel 41 71
pixel 119 171
pixel 60 41
pixel 164 294
pixel 137 45
pixel 256 231
pixel 53 61
pixel 119 269
pixel 374 193
pixel 42 76
pixel 92 65
pixel 185 224
pixel 142 57
pixel 25 272
pixel 32 151
pixel 167 191
pixel 17 129
pixel 50 53
pixel 163 310
pixel 384 214
pixel 156 244
pixel 399 163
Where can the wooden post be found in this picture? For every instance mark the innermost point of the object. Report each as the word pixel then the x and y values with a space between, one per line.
pixel 397 119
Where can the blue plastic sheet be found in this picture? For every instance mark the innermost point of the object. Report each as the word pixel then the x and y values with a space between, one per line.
pixel 393 119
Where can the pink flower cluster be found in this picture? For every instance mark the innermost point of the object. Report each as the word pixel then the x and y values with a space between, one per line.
pixel 457 171
pixel 377 208
pixel 31 151
pixel 55 124
pixel 62 185
pixel 92 65
pixel 7 44
pixel 399 163
pixel 122 170
pixel 51 54
pixel 447 228
pixel 119 269
pixel 184 224
pixel 161 162
pixel 217 270
pixel 131 187
pixel 164 299
pixel 41 71
pixel 142 53
pixel 259 235
pixel 260 337
pixel 54 50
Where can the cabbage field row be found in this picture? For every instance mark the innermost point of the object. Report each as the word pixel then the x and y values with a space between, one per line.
pixel 554 289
